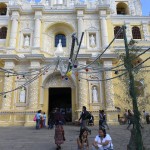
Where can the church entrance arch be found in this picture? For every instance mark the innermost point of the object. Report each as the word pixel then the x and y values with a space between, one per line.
pixel 59 93
pixel 60 97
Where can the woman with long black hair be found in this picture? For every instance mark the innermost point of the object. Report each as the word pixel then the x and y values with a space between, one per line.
pixel 82 140
pixel 102 141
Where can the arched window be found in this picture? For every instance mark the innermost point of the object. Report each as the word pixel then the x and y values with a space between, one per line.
pixel 116 29
pixel 3 9
pixel 122 9
pixel 61 37
pixel 136 33
pixel 3 33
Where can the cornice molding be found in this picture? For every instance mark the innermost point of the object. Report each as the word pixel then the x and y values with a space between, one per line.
pixel 42 58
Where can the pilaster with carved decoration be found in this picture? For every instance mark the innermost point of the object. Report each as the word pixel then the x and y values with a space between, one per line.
pixel 37 29
pixel 109 86
pixel 146 31
pixel 14 29
pixel 103 25
pixel 80 15
pixel 34 91
pixel 83 89
pixel 8 86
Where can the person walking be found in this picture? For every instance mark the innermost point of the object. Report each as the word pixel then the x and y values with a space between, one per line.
pixel 126 116
pixel 59 134
pixel 82 140
pixel 130 119
pixel 104 123
pixel 84 118
pixel 102 141
pixel 101 119
pixel 59 130
pixel 38 116
pixel 51 120
pixel 44 119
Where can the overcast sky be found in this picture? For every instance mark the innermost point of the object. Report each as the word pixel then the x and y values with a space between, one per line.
pixel 145 7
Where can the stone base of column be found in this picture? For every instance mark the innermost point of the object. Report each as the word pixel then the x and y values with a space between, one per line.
pixel 112 116
pixel 36 50
pixel 108 51
pixel 4 124
pixel 29 120
pixel 11 50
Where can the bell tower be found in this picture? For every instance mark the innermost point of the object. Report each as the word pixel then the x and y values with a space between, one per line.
pixel 126 7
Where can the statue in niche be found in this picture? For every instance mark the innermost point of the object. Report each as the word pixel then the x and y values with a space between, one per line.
pixel 94 94
pixel 59 51
pixel 26 41
pixel 92 41
pixel 22 96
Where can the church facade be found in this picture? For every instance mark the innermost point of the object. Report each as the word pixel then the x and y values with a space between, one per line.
pixel 35 43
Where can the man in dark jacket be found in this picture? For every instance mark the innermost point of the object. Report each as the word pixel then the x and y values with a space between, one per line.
pixel 84 117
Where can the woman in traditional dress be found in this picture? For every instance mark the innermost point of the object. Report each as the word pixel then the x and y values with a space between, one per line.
pixel 59 135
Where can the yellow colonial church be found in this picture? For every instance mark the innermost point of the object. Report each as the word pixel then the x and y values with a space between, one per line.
pixel 35 45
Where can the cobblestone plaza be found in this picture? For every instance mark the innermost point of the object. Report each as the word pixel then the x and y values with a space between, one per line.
pixel 27 138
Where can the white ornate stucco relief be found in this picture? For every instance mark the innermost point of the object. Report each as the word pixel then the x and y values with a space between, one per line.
pixel 57 81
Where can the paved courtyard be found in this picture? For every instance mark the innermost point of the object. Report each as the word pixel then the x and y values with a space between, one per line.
pixel 27 138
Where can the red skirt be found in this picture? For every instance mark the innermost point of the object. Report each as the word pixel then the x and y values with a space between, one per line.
pixel 59 134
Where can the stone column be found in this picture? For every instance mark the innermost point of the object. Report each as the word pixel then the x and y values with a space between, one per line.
pixel 104 32
pixel 83 90
pixel 128 31
pixel 14 29
pixel 109 92
pixel 80 27
pixel 34 88
pixel 8 86
pixel 146 32
pixel 37 29
pixel 80 16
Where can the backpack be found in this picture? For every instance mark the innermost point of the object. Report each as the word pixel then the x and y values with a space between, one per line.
pixel 88 115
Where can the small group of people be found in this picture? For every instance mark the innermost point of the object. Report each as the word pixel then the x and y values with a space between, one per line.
pixel 102 141
pixel 55 118
pixel 40 118
pixel 128 118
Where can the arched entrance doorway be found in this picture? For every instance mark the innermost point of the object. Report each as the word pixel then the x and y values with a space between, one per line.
pixel 59 93
pixel 60 97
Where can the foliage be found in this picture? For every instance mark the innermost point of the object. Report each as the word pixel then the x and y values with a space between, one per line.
pixel 139 75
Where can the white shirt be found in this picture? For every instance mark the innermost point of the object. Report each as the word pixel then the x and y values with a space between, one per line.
pixel 107 138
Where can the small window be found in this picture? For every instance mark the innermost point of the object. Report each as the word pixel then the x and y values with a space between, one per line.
pixel 116 29
pixel 63 40
pixel 122 9
pixel 136 33
pixel 3 33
